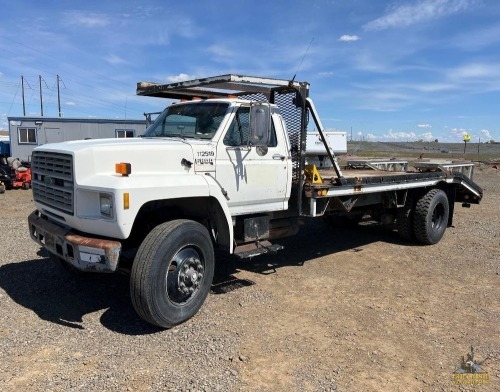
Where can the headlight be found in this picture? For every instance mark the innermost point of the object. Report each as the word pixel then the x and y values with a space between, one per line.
pixel 106 204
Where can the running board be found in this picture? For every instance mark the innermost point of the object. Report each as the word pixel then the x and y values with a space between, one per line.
pixel 256 249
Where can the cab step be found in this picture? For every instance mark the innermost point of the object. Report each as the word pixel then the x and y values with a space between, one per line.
pixel 256 249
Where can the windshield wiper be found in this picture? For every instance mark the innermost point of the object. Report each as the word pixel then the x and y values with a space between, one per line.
pixel 183 137
pixel 174 135
pixel 168 135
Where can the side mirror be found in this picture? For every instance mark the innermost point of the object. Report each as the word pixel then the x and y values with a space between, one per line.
pixel 260 124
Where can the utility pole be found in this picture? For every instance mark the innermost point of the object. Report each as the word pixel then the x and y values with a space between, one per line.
pixel 41 99
pixel 22 88
pixel 58 97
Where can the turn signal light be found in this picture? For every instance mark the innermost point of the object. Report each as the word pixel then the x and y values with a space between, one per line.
pixel 123 168
pixel 126 201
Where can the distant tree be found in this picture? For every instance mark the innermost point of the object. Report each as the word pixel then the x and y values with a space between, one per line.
pixel 436 141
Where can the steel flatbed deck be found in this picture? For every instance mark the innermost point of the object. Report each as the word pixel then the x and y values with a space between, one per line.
pixel 356 181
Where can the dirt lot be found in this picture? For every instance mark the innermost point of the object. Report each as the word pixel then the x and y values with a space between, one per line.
pixel 343 310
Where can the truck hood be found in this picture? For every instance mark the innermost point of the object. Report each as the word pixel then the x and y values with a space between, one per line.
pixel 146 156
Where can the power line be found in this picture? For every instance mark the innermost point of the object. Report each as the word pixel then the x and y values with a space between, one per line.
pixel 13 99
pixel 78 81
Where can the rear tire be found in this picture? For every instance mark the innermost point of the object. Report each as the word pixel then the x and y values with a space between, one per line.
pixel 431 217
pixel 172 273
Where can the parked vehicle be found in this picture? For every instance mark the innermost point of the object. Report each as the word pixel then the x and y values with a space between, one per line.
pixel 14 174
pixel 225 167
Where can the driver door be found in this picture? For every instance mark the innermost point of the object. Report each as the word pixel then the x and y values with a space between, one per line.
pixel 256 178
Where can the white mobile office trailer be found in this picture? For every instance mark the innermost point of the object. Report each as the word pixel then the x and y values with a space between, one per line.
pixel 26 133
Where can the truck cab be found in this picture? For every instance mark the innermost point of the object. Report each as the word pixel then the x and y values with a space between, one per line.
pixel 251 162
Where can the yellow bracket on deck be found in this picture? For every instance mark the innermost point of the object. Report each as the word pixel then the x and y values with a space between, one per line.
pixel 312 174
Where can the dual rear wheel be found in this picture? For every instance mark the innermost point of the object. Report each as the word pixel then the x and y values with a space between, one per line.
pixel 424 219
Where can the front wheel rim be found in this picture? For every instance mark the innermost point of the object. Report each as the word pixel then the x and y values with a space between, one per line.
pixel 185 275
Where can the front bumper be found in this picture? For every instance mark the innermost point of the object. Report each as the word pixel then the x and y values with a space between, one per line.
pixel 83 253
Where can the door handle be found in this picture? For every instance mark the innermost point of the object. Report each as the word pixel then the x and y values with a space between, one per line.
pixel 279 156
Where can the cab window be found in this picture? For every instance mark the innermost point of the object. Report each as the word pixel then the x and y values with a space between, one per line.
pixel 237 134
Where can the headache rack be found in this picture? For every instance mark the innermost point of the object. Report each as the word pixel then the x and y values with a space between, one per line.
pixel 222 87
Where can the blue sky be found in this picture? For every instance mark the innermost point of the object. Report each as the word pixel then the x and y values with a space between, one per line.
pixel 388 70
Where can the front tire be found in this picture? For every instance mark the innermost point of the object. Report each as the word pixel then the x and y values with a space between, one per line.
pixel 172 273
pixel 431 217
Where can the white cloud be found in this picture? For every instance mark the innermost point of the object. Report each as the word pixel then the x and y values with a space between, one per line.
pixel 421 11
pixel 86 19
pixel 432 87
pixel 474 71
pixel 349 38
pixel 458 133
pixel 486 134
pixel 424 126
pixel 220 51
pixel 70 103
pixel 115 60
pixel 3 122
pixel 179 78
pixel 427 136
pixel 400 135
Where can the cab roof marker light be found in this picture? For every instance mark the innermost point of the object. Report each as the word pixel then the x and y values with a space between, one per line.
pixel 123 168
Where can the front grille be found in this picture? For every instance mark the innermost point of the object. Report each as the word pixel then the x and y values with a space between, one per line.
pixel 52 180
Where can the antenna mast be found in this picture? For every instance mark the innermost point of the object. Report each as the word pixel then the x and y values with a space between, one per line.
pixel 303 57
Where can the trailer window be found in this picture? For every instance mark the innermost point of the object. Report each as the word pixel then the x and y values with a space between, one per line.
pixel 26 135
pixel 125 133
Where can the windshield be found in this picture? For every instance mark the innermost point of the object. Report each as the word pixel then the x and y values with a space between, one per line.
pixel 194 120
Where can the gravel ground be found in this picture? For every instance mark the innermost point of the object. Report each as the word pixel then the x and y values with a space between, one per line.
pixel 337 310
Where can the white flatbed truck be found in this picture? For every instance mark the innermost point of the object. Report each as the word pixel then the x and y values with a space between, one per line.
pixel 225 167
